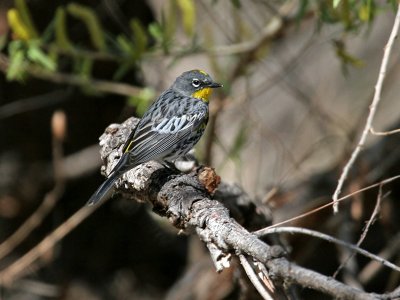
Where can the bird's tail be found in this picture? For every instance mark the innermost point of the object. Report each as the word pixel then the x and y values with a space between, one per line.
pixel 104 190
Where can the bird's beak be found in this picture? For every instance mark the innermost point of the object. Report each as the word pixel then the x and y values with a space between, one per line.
pixel 214 85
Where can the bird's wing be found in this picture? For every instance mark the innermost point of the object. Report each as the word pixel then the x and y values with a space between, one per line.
pixel 128 143
pixel 161 105
pixel 157 139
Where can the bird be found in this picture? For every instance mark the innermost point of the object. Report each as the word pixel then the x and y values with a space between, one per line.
pixel 170 127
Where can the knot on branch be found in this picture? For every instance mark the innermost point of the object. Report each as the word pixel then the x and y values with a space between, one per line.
pixel 176 197
pixel 209 178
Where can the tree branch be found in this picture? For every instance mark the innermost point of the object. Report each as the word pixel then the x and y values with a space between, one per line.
pixel 372 111
pixel 102 86
pixel 185 199
pixel 331 239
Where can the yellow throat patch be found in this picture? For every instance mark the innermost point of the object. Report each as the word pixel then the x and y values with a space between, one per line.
pixel 203 94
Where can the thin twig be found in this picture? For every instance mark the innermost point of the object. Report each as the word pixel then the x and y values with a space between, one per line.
pixel 49 201
pixel 31 223
pixel 264 276
pixel 51 98
pixel 372 111
pixel 266 33
pixel 328 238
pixel 384 133
pixel 383 182
pixel 247 50
pixel 367 274
pixel 365 231
pixel 17 268
pixel 40 289
pixel 253 278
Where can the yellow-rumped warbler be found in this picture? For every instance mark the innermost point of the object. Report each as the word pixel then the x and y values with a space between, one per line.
pixel 171 126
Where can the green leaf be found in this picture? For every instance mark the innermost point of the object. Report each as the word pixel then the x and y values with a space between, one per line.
pixel 188 10
pixel 345 57
pixel 168 25
pixel 393 3
pixel 3 41
pixel 83 66
pixel 36 55
pixel 336 3
pixel 142 101
pixel 156 32
pixel 346 17
pixel 62 39
pixel 53 53
pixel 366 12
pixel 327 14
pixel 16 67
pixel 140 37
pixel 89 17
pixel 122 71
pixel 18 27
pixel 125 45
pixel 26 18
pixel 303 6
pixel 236 3
pixel 15 46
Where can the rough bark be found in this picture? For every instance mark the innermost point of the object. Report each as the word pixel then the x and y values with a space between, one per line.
pixel 187 201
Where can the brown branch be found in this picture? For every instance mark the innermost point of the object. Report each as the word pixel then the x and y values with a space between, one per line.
pixel 249 47
pixel 51 198
pixel 184 200
pixel 19 268
pixel 103 86
pixel 331 239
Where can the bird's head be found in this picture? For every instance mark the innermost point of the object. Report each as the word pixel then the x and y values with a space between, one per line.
pixel 195 83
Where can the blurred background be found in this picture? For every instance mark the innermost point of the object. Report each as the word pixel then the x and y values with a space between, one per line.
pixel 298 79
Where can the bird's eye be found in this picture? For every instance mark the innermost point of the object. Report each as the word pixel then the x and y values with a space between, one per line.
pixel 196 82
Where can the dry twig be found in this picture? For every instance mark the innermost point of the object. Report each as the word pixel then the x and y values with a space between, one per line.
pixel 372 111
pixel 328 238
pixel 384 133
pixel 18 268
pixel 365 231
pixel 372 268
pixel 51 198
pixel 383 182
pixel 253 278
